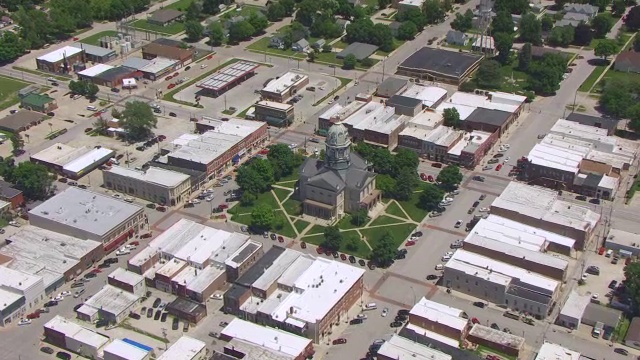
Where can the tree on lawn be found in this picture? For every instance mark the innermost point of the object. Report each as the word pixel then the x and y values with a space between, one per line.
pixel 414 15
pixel 449 177
pixel 216 34
pixel 633 113
pixel 332 239
pixel 545 75
pixel 352 243
pixel 262 217
pixel 91 90
pixel 258 21
pixel 530 29
pixel 17 143
pixel 359 217
pixel 503 43
pixel 430 197
pixel 451 117
pixel 384 251
pixel 512 6
pixel 618 8
pixel 618 96
pixel 382 4
pixel 311 56
pixel 349 62
pixel 606 48
pixel 33 179
pixel 632 20
pixel 406 159
pixel 433 12
pixel 601 25
pixel 524 57
pixel 138 120
pixel 256 176
pixel 502 23
pixel 386 184
pixel 193 29
pixel 275 12
pixel 193 11
pixel 583 35
pixel 488 75
pixel 632 283
pixel 547 23
pixel 463 22
pixel 407 31
pixel 210 7
pixel 242 30
pixel 406 181
pixel 101 125
pixel 289 6
pixel 561 36
pixel 283 159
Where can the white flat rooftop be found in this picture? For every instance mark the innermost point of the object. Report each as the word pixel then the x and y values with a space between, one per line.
pixel 17 280
pixel 575 305
pixel 158 64
pixel 204 278
pixel 498 272
pixel 186 348
pixel 274 105
pixel 558 158
pixel 428 94
pixel 608 182
pixel 125 350
pixel 416 133
pixel 172 268
pixel 517 252
pixel 77 332
pixel 497 336
pixel 95 70
pixel 270 338
pixel 292 273
pixel 127 277
pixel 279 266
pixel 60 54
pixel 440 314
pixel 516 231
pixel 550 351
pixel 112 300
pixel 143 256
pixel 463 110
pixel 88 159
pixel 417 3
pixel 88 211
pixel 543 204
pixel 427 120
pixel 284 82
pixel 152 175
pixel 372 116
pixel 7 298
pixel 444 136
pixel 400 348
pixel 59 154
pixel 624 238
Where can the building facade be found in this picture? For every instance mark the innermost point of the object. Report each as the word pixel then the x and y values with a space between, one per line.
pixel 154 184
pixel 274 113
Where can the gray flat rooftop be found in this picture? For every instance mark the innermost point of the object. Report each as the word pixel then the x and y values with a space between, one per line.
pixel 228 75
pixel 497 336
pixel 93 50
pixel 359 50
pixel 112 300
pixel 86 210
pixel 450 63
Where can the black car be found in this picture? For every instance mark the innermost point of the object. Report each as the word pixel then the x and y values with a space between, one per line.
pixel 273 236
pixel 175 324
pixel 613 284
pixel 104 266
pixel 403 251
pixel 352 259
pixel 396 324
pixel 495 326
pixel 479 304
pixel 597 202
pixel 172 114
pixel 403 312
pixel 112 260
pixel 51 113
pixel 50 303
pixel 401 318
pixel 476 203
pixel 400 256
pixel 432 277
pixel 417 234
pixel 115 90
pixel 189 205
pixel 362 262
pixel 356 321
pixel 63 355
pixel 163 317
pixel 157 111
pixel 134 316
pixel 498 156
pixel 593 270
pixel 90 275
pixel 157 315
pixel 581 198
pixel 156 303
pixel 149 312
pixel 77 285
pixel 46 350
pixel 336 254
pixel 621 351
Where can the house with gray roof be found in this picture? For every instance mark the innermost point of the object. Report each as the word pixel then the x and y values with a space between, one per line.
pixel 455 37
pixel 301 45
pixel 164 17
pixel 359 50
pixel 339 184
pixel 585 9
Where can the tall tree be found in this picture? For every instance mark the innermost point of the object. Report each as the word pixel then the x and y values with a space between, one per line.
pixel 256 176
pixel 384 251
pixel 488 75
pixel 546 23
pixel 512 6
pixel 406 181
pixel 545 75
pixel 241 30
pixel 430 197
pixel 463 22
pixel 632 284
pixel 349 62
pixel 636 44
pixel 275 12
pixel 258 21
pixel 406 159
pixel 210 7
pixel 262 217
pixel 618 7
pixel 530 29
pixel 618 96
pixel 433 11
pixel 414 15
pixel 583 34
pixel 193 11
pixel 33 179
pixel 407 31
pixel 359 217
pixel 524 57
pixel 632 20
pixel 561 36
pixel 451 117
pixel 216 34
pixel 193 29
pixel 606 48
pixel 332 238
pixel 503 43
pixel 138 120
pixel 283 159
pixel 502 23
pixel 289 6
pixel 449 177
pixel 601 25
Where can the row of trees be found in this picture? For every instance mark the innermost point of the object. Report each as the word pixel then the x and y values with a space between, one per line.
pixel 255 24
pixel 619 99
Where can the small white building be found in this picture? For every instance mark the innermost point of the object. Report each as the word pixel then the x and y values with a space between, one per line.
pixel 550 351
pixel 400 348
pixel 155 184
pixel 571 313
pixel 71 336
pixel 120 350
pixel 113 304
pixel 128 281
pixel 186 348
pixel 623 242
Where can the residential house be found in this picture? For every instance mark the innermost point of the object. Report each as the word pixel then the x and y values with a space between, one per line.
pixel 343 23
pixel 628 61
pixel 276 42
pixel 586 9
pixel 455 37
pixel 301 45
pixel 394 26
pixel 319 44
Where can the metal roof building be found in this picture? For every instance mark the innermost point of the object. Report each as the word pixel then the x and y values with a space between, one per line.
pixel 571 313
pixel 400 348
pixel 279 341
pixel 186 348
pixel 121 350
pixel 550 351
pixel 229 76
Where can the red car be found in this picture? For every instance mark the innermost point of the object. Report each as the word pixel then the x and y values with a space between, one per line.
pixel 498 167
pixel 96 271
pixel 601 251
pixel 75 39
pixel 436 165
pixel 162 137
pixel 423 176
pixel 475 320
pixel 410 243
pixel 430 178
pixel 136 243
pixel 145 236
pixel 34 315
pixel 343 257
pixel 209 57
pixel 161 208
pixel 171 86
pixel 303 245
pixel 339 341
pixel 280 239
pixel 319 250
pixel 175 74
pixel 263 152
pixel 223 206
pixel 168 78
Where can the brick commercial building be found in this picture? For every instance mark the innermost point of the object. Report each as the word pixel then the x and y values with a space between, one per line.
pixel 127 281
pixel 495 339
pixel 284 87
pixel 471 149
pixel 10 194
pixel 274 113
pixel 440 319
pixel 154 50
pixel 439 65
pixel 216 150
pixel 114 77
pixel 71 336
pixel 60 60
pixel 153 184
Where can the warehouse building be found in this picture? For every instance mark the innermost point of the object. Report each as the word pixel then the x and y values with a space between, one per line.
pixel 154 184
pixel 55 257
pixel 282 344
pixel 216 150
pixel 20 293
pixel 70 336
pixel 186 348
pixel 90 73
pixel 228 77
pixel 625 243
pixel 440 319
pixel 111 303
pixel 70 161
pixel 440 65
pixel 87 215
pixel 115 77
pixel 609 124
pixel 274 113
pixel 61 60
pixel 500 283
pixel 573 309
pixel 391 86
pixel 431 96
pixel 550 351
pixel 187 310
pixel 282 88
pixel 500 341
pixel 96 54
pixel 122 350
pixel 400 348
pixel 532 260
pixel 22 120
pixel 296 300
pixel 128 281
pixel 156 50
pixel 540 207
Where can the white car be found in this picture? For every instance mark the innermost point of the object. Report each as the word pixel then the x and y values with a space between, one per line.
pixel 449 199
pixel 362 316
pixel 128 199
pixel 483 209
pixel 58 298
pixel 203 66
pixel 507 159
pixel 24 321
pixel 446 258
pixel 129 247
pixel 595 296
pixel 216 297
pixel 506 146
pixel 195 201
pixel 487 167
pixel 385 312
pixel 14 223
pixel 209 198
pixel 65 293
pixel 448 253
pixel 458 224
pixel 123 252
pixel 585 276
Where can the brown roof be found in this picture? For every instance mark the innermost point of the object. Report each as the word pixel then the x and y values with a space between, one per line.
pixel 633 334
pixel 167 51
pixel 165 15
pixel 629 57
pixel 20 120
pixel 539 51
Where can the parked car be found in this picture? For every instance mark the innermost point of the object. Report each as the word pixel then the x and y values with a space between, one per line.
pixel 432 277
pixel 479 304
pixel 63 355
pixel 47 350
pixel 339 341
pixel 396 324
pixel 175 324
pixel 156 303
pixel 149 312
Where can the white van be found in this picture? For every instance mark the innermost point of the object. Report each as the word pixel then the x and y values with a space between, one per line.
pixel 371 306
pixel 92 108
pixel 609 253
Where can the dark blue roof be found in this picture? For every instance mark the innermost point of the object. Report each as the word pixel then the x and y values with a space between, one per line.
pixel 138 345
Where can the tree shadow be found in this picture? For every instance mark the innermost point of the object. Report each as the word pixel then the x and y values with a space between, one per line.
pixel 598 62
